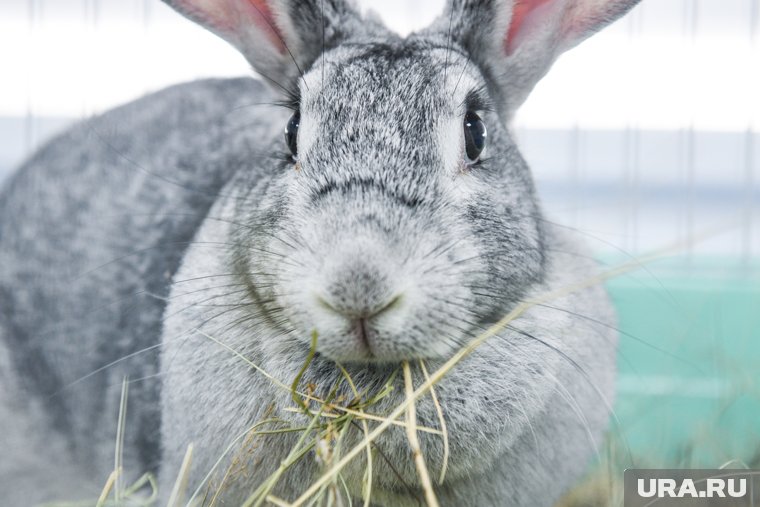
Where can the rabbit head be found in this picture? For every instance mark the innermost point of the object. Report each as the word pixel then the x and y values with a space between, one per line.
pixel 393 214
pixel 400 218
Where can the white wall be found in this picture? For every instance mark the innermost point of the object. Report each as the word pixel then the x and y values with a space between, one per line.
pixel 665 66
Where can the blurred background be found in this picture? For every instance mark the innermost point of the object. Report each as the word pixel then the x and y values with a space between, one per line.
pixel 643 134
pixel 644 138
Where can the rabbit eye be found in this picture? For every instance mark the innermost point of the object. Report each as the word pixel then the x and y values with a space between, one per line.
pixel 291 133
pixel 474 136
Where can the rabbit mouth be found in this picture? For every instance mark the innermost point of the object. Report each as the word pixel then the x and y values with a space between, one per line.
pixel 362 327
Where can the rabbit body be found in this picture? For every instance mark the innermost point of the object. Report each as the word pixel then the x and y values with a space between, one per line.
pixel 176 242
pixel 93 228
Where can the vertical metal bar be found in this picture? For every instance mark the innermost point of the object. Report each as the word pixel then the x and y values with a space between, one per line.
pixel 632 183
pixel 147 19
pixel 690 27
pixel 681 147
pixel 690 185
pixel 87 8
pixel 91 20
pixel 632 166
pixel 32 15
pixel 147 12
pixel 748 224
pixel 749 195
pixel 575 172
pixel 691 155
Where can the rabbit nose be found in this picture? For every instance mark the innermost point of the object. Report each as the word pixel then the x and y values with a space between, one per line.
pixel 359 293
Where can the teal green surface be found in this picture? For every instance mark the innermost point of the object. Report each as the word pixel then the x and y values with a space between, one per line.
pixel 689 361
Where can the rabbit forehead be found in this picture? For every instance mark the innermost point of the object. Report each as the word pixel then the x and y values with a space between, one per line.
pixel 392 100
pixel 387 78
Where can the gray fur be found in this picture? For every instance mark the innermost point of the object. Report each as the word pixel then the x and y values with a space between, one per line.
pixel 142 233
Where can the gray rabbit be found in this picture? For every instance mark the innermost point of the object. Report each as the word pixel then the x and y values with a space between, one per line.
pixel 181 237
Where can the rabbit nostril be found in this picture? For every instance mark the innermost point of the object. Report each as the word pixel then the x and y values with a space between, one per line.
pixel 393 303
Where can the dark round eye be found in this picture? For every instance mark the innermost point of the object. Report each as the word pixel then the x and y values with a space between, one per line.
pixel 474 136
pixel 291 133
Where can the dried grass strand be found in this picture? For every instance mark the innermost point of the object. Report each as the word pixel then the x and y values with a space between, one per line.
pixel 414 442
pixel 179 485
pixel 107 488
pixel 362 415
pixel 442 423
pixel 119 447
pixel 367 485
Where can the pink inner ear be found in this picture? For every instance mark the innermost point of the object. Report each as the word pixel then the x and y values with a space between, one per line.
pixel 236 19
pixel 521 17
pixel 262 17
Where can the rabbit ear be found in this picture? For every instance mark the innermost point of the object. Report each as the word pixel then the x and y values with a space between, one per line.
pixel 515 42
pixel 280 38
